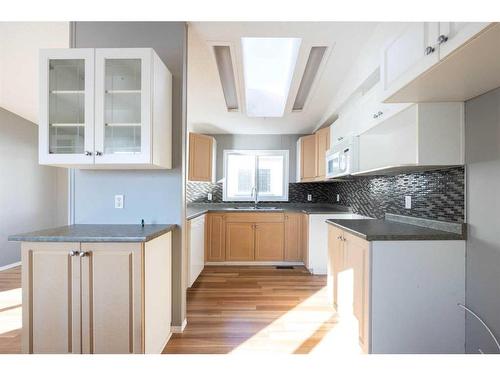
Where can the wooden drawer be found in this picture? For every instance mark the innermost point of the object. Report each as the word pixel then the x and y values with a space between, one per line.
pixel 255 217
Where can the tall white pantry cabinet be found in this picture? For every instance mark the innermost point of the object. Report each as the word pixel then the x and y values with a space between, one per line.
pixel 105 108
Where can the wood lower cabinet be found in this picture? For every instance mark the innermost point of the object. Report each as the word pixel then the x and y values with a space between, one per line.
pixel 355 255
pixel 240 241
pixel 293 236
pixel 215 229
pixel 336 262
pixel 346 251
pixel 51 298
pixel 269 241
pixel 111 298
pixel 96 297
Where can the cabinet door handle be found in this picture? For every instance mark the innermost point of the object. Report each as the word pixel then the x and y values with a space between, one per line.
pixel 82 254
pixel 442 39
pixel 88 153
pixel 98 153
pixel 73 253
pixel 339 238
pixel 429 50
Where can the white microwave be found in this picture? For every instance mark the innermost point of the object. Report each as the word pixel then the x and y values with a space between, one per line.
pixel 343 158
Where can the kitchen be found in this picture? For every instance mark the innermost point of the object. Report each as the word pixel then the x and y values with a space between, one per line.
pixel 285 187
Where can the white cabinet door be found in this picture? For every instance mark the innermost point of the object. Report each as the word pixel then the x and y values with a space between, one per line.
pixel 412 52
pixel 453 34
pixel 66 123
pixel 197 248
pixel 123 106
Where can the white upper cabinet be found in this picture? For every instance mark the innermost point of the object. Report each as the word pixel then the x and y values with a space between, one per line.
pixel 453 34
pixel 118 116
pixel 66 134
pixel 425 45
pixel 422 136
pixel 408 55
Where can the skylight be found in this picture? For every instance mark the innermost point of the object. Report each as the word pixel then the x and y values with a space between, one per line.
pixel 268 66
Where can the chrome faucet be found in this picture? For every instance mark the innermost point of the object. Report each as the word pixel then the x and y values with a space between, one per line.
pixel 255 193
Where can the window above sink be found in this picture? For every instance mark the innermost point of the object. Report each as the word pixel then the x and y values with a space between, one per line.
pixel 262 171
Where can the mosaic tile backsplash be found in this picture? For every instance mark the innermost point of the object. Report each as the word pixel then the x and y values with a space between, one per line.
pixel 438 195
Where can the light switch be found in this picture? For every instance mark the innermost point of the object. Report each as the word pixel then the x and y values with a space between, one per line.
pixel 338 197
pixel 119 201
pixel 309 197
pixel 209 196
pixel 408 202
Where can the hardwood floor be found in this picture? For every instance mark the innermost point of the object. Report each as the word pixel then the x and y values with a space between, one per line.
pixel 261 309
pixel 10 311
pixel 232 310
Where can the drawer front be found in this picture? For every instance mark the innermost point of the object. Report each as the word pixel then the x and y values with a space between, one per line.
pixel 255 217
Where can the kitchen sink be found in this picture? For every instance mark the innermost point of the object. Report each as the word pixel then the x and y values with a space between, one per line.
pixel 256 208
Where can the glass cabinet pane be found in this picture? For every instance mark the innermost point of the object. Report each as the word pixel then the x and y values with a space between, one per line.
pixel 66 106
pixel 122 134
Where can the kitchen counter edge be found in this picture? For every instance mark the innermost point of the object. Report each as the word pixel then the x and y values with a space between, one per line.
pixel 96 233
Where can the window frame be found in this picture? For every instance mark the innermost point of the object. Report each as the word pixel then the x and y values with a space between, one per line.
pixel 256 153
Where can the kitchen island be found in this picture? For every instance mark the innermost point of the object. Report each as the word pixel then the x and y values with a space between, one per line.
pixel 408 277
pixel 96 289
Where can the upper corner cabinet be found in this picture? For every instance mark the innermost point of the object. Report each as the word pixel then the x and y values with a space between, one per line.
pixel 105 109
pixel 409 54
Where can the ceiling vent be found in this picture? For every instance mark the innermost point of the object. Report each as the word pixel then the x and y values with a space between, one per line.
pixel 225 67
pixel 316 57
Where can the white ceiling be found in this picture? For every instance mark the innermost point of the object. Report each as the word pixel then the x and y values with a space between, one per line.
pixel 206 110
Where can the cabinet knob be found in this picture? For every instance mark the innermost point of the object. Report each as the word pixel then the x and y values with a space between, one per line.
pixel 82 254
pixel 88 153
pixel 339 238
pixel 98 153
pixel 73 253
pixel 442 39
pixel 340 138
pixel 429 50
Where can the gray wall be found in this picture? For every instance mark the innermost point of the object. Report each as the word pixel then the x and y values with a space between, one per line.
pixel 155 196
pixel 30 198
pixel 256 142
pixel 482 120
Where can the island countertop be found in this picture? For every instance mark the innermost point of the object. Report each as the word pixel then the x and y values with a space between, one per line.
pixel 388 230
pixel 96 233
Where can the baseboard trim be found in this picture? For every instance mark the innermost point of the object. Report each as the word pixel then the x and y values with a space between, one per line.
pixel 12 265
pixel 179 329
pixel 254 263
pixel 164 344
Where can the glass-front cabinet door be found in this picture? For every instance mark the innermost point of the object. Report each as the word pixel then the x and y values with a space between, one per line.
pixel 123 106
pixel 66 134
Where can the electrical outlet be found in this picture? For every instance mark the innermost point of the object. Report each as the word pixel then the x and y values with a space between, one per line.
pixel 309 197
pixel 408 202
pixel 338 197
pixel 209 196
pixel 119 201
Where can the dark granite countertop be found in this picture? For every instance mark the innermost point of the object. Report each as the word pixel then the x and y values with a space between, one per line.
pixel 96 233
pixel 388 230
pixel 198 209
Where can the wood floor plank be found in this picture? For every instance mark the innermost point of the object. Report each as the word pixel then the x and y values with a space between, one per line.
pixel 255 309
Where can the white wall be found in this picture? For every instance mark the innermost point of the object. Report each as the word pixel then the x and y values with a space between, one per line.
pixel 29 193
pixel 19 45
